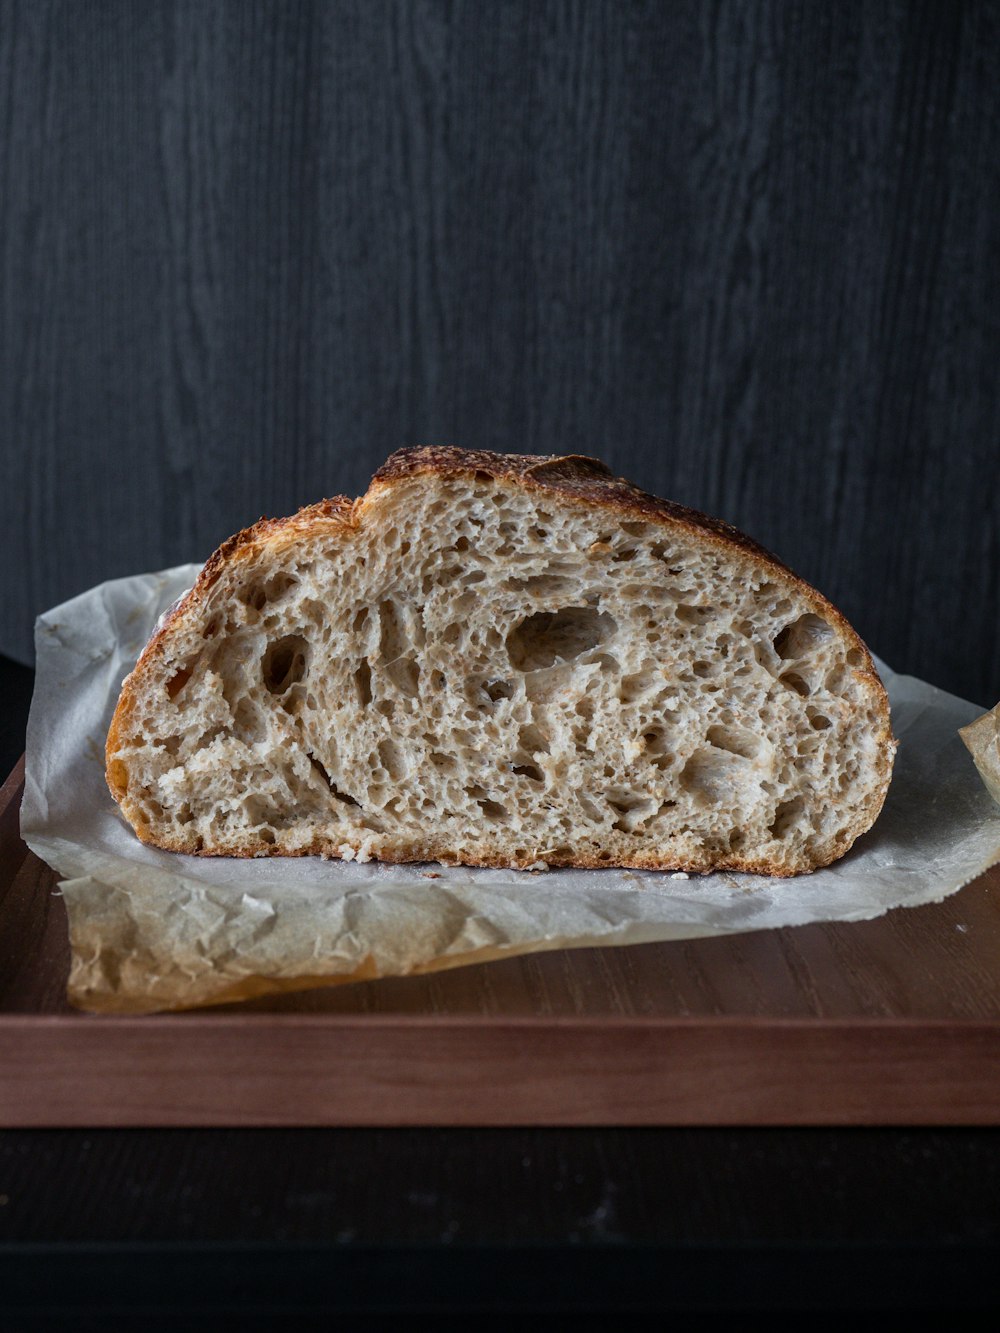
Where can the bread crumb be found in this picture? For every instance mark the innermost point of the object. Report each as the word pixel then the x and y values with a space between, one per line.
pixel 431 874
pixel 680 874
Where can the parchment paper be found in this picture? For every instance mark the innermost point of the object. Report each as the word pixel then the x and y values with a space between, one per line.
pixel 982 739
pixel 153 930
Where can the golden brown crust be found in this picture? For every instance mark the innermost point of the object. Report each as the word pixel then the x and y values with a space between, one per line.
pixel 572 477
pixel 432 850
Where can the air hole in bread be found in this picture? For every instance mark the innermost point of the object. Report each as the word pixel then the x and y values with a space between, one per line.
pixel 709 776
pixel 802 637
pixel 247 722
pixel 734 740
pixel 363 682
pixel 819 721
pixel 498 689
pixel 590 808
pixel 394 647
pixel 532 740
pixel 547 637
pixel 693 615
pixel 405 675
pixel 632 810
pixel 209 735
pixel 606 662
pixel 655 747
pixel 393 760
pixel 465 603
pixel 640 685
pixel 180 678
pixel 545 686
pixel 320 768
pixel 264 816
pixel 785 816
pixel 284 663
pixel 544 585
pixel 490 808
pixel 531 771
pixel 280 585
pixel 393 638
pixel 272 589
pixel 795 682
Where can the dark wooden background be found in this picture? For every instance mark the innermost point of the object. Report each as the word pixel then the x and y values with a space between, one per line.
pixel 748 253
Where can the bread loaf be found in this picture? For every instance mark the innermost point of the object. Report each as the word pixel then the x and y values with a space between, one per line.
pixel 503 660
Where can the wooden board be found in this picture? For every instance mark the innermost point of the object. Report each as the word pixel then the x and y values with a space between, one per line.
pixel 894 1021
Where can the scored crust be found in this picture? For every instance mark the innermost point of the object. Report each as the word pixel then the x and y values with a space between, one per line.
pixel 575 479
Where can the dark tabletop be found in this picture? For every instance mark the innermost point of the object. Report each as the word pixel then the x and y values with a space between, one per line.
pixel 499 1223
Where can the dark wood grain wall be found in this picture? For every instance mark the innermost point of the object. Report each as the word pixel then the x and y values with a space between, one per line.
pixel 749 253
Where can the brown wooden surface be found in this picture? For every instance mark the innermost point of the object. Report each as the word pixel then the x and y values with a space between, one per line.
pixel 894 1021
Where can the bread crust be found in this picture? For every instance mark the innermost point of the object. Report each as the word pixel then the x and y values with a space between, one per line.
pixel 575 478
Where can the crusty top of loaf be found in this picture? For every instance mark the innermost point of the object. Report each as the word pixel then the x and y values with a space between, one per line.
pixel 575 477
pixel 590 481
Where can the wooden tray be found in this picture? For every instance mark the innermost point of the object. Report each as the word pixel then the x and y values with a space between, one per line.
pixel 894 1021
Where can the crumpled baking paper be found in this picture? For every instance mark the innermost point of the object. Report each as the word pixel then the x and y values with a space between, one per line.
pixel 154 930
pixel 982 739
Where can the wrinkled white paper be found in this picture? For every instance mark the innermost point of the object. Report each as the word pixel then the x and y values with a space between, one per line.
pixel 154 930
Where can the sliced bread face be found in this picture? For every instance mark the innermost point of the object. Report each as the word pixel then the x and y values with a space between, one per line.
pixel 503 660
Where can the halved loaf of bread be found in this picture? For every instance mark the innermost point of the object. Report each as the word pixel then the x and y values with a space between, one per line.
pixel 503 660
